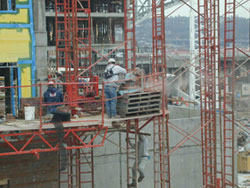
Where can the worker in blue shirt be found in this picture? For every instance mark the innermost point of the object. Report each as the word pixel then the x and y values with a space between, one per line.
pixel 52 95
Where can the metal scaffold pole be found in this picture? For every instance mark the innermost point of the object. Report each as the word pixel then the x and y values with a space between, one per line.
pixel 161 161
pixel 78 171
pixel 73 41
pixel 129 34
pixel 161 134
pixel 132 152
pixel 158 37
pixel 208 12
pixel 228 102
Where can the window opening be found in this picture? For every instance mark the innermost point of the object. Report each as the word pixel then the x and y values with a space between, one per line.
pixel 6 5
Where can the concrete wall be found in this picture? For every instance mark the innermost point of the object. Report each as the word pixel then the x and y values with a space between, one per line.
pixel 110 162
pixel 186 166
pixel 177 112
pixel 25 171
pixel 41 40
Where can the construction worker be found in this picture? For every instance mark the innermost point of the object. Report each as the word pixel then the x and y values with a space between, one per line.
pixel 52 95
pixel 111 76
pixel 143 157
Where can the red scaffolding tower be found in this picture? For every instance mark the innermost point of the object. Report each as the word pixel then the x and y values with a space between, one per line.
pixel 228 102
pixel 161 132
pixel 217 140
pixel 73 47
pixel 129 34
pixel 208 44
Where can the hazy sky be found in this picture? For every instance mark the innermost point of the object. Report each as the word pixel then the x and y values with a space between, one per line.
pixel 240 11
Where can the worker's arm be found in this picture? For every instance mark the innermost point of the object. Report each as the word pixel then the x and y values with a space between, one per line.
pixel 121 70
pixel 61 97
pixel 132 145
pixel 45 97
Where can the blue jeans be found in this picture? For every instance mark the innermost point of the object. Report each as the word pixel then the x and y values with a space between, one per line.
pixel 110 92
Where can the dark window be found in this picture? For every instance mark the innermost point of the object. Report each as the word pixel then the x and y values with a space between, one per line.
pixel 3 4
pixel 7 5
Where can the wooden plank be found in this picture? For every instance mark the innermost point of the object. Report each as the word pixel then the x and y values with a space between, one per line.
pixel 22 125
pixel 156 106
pixel 4 181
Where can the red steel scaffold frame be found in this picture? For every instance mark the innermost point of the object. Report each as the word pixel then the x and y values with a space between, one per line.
pixel 228 102
pixel 158 37
pixel 73 37
pixel 73 45
pixel 129 34
pixel 79 168
pixel 161 130
pixel 209 49
pixel 208 12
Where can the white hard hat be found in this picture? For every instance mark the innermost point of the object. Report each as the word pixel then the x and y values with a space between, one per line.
pixel 111 60
pixel 59 73
pixel 51 82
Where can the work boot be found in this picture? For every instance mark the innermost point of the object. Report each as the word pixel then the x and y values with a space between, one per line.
pixel 132 184
pixel 141 178
pixel 116 117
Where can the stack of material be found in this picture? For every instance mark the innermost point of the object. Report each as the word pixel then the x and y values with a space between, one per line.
pixel 143 103
pixel 2 104
pixel 244 161
pixel 2 98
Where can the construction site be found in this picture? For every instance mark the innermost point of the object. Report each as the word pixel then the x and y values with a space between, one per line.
pixel 169 118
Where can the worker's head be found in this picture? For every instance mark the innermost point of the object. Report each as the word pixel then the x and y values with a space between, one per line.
pixel 141 137
pixel 59 75
pixel 111 60
pixel 51 84
pixel 51 87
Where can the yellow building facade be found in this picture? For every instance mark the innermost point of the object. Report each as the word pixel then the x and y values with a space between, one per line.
pixel 17 43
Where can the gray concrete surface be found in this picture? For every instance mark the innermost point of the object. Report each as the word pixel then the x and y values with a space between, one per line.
pixel 41 40
pixel 186 167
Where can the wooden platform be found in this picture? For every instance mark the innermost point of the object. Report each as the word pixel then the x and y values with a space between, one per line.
pixel 22 125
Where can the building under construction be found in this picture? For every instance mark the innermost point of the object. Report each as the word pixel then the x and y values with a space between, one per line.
pixel 193 109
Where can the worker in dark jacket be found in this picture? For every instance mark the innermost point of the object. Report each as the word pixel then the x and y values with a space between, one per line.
pixel 52 95
pixel 60 114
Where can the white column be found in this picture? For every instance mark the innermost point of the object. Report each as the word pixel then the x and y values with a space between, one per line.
pixel 192 40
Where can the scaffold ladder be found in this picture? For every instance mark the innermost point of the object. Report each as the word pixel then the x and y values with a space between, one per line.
pixel 158 36
pixel 73 36
pixel 83 36
pixel 161 157
pixel 85 164
pixel 66 177
pixel 80 169
pixel 218 86
pixel 62 12
pixel 228 102
pixel 208 15
pixel 132 152
pixel 129 33
pixel 201 36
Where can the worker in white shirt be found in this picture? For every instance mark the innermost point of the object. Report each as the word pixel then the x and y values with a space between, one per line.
pixel 111 76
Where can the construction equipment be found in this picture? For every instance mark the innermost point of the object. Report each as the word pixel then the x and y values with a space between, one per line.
pixel 73 50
